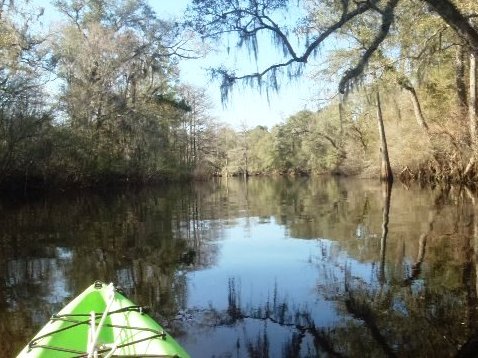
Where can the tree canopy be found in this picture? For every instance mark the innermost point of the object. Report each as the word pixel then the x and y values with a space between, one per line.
pixel 99 98
pixel 321 21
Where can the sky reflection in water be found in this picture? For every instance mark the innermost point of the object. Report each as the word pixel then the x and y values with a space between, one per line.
pixel 264 261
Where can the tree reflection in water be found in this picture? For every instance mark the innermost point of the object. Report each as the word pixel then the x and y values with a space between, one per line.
pixel 389 273
pixel 52 249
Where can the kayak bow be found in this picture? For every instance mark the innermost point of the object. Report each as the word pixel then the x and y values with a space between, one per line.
pixel 101 322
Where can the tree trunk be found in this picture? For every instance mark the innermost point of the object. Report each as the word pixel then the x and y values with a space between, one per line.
pixel 405 83
pixel 460 78
pixel 417 109
pixel 453 17
pixel 341 119
pixel 472 104
pixel 472 115
pixel 385 168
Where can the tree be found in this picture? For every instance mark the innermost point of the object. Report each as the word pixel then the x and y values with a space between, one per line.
pixel 255 16
pixel 197 125
pixel 261 158
pixel 323 21
pixel 385 169
pixel 24 114
pixel 118 63
pixel 248 18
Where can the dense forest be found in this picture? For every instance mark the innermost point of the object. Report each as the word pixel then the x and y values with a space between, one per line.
pixel 97 99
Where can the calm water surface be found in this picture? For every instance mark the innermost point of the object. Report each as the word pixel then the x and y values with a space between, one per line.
pixel 263 268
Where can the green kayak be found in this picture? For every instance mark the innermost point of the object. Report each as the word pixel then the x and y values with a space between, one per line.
pixel 101 322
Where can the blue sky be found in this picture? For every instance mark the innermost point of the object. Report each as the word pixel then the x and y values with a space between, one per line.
pixel 246 106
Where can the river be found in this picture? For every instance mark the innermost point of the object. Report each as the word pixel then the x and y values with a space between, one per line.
pixel 268 267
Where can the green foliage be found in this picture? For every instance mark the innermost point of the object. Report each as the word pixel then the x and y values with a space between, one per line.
pixel 122 114
pixel 24 117
pixel 307 142
pixel 261 158
pixel 412 53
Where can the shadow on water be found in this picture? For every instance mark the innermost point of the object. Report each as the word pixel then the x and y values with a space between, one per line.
pixel 264 268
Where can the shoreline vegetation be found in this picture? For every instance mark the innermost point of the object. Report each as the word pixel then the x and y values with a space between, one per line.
pixel 97 102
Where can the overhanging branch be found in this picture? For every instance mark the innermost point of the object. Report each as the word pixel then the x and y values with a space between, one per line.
pixel 263 22
pixel 352 73
pixel 459 22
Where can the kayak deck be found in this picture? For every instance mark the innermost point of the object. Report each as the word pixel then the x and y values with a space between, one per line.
pixel 101 322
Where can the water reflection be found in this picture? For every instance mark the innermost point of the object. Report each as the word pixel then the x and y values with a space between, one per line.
pixel 258 268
